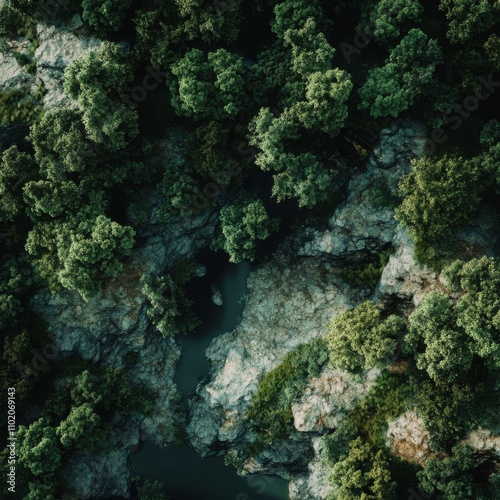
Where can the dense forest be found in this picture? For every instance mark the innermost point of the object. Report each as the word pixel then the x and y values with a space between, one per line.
pixel 263 99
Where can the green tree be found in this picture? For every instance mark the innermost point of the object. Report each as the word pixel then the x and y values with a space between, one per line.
pixel 301 176
pixel 16 169
pixel 61 146
pixel 305 178
pixel 211 88
pixel 92 254
pixel 169 309
pixel 242 224
pixel 451 478
pixel 324 107
pixel 293 14
pixel 39 490
pixel 440 195
pixel 38 448
pixel 80 428
pixel 80 254
pixel 105 14
pixel 407 74
pixel 439 345
pixel 363 473
pixel 178 185
pixel 52 199
pixel 360 339
pixel 388 17
pixel 449 411
pixel 164 26
pixel 152 490
pixel 96 81
pixel 478 308
pixel 210 148
pixel 467 18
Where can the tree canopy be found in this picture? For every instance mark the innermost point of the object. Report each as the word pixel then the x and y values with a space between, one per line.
pixel 361 339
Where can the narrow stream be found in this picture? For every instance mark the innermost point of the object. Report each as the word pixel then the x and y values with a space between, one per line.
pixel 185 474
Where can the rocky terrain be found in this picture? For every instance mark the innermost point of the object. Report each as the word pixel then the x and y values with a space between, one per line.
pixel 291 300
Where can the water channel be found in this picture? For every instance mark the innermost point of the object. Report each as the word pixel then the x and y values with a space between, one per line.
pixel 185 474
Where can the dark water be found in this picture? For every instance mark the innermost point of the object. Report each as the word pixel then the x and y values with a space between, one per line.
pixel 185 474
pixel 215 320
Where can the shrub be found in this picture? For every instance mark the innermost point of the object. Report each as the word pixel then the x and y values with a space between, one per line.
pixel 170 309
pixel 242 224
pixel 270 413
pixel 360 339
pixel 440 195
pixel 363 473
pixel 368 275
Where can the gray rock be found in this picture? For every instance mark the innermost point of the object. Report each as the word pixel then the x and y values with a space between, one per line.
pixel 313 485
pixel 200 271
pixel 217 296
pixel 100 476
pixel 12 74
pixel 329 398
pixel 110 329
pixel 60 46
pixel 360 227
pixel 292 300
pixel 404 278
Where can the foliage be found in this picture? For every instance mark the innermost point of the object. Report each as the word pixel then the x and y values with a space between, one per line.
pixel 304 178
pixel 16 169
pixel 336 444
pixel 440 195
pixel 61 145
pixel 210 145
pixel 211 88
pixel 299 176
pixel 105 14
pixel 178 187
pixel 293 14
pixel 439 345
pixel 18 106
pixel 368 275
pixel 314 96
pixel 80 427
pixel 170 309
pixel 242 224
pixel 360 339
pixel 478 308
pixel 382 196
pixel 162 27
pixel 96 81
pixel 388 17
pixel 450 478
pixel 152 490
pixel 387 399
pixel 39 449
pixel 88 252
pixel 467 18
pixel 448 410
pixel 407 74
pixel 363 473
pixel 270 413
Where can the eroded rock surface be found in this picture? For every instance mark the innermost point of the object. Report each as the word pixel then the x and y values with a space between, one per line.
pixel 328 398
pixel 365 222
pixel 58 47
pixel 408 439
